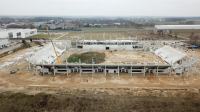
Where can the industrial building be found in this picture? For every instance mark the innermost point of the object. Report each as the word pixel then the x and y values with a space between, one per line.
pixel 177 27
pixel 20 33
pixel 168 29
pixel 7 34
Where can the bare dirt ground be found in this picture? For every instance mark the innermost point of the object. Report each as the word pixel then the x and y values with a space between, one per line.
pixel 29 92
pixel 137 57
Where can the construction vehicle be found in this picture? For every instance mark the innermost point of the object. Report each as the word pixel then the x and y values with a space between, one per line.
pixel 58 58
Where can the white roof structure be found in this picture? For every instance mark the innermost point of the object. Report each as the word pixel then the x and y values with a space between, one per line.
pixel 170 55
pixel 105 40
pixel 177 27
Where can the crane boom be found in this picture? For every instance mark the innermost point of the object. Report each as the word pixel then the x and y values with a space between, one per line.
pixel 58 60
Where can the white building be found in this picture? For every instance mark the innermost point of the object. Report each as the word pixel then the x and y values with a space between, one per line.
pixel 17 33
pixel 169 28
pixel 6 34
pixel 177 27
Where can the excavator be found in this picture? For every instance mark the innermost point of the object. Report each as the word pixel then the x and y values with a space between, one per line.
pixel 58 58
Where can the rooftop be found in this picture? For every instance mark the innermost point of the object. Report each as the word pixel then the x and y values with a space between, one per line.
pixel 177 27
pixel 169 54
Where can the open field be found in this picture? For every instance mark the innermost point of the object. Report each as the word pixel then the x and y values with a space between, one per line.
pixel 45 35
pixel 113 33
pixel 135 57
pixel 115 29
pixel 98 101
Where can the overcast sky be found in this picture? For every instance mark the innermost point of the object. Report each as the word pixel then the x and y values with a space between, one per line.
pixel 100 7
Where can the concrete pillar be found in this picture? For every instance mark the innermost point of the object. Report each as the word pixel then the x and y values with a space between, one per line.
pixel 92 69
pixel 131 69
pixel 105 71
pixel 67 72
pixel 144 71
pixel 170 74
pixel 66 69
pixel 157 71
pixel 42 69
pixel 29 66
pixel 54 70
pixel 80 71
pixel 187 74
pixel 36 72
pixel 118 70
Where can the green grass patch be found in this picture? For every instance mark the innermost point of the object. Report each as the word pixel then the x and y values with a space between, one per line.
pixel 87 58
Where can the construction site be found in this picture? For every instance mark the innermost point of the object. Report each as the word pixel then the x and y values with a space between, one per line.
pixel 158 62
pixel 132 56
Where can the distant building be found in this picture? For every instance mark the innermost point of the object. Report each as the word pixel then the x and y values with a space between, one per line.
pixel 6 34
pixel 59 25
pixel 17 33
pixel 177 27
pixel 117 24
pixel 169 28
